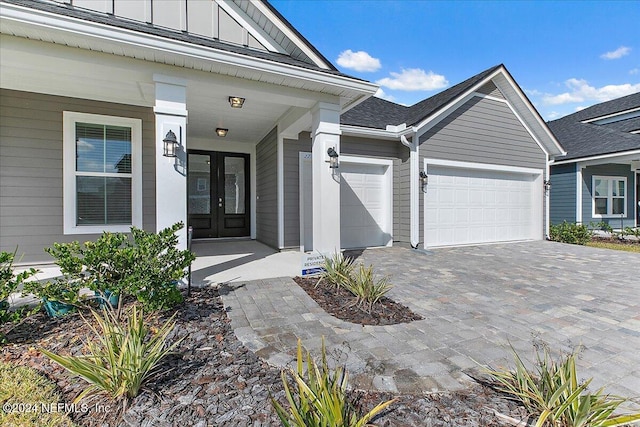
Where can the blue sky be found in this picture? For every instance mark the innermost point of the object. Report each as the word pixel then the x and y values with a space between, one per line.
pixel 566 55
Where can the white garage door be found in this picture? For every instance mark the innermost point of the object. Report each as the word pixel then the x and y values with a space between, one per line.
pixel 467 206
pixel 365 205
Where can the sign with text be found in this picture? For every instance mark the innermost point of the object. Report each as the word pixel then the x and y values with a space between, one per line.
pixel 312 264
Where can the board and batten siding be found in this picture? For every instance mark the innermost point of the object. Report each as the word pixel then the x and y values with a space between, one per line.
pixel 611 169
pixel 562 197
pixel 267 189
pixel 481 131
pixel 31 181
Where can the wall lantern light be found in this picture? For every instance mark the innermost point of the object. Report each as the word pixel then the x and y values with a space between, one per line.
pixel 236 102
pixel 222 132
pixel 170 144
pixel 333 158
pixel 424 179
pixel 547 185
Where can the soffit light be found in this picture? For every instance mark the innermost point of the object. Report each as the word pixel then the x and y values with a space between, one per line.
pixel 222 132
pixel 236 101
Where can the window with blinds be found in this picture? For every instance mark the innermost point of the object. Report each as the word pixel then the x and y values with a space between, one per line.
pixel 102 173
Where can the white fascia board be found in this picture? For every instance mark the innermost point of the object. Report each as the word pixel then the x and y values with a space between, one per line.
pixel 232 9
pixel 536 116
pixel 340 84
pixel 600 157
pixel 375 132
pixel 615 117
pixel 291 35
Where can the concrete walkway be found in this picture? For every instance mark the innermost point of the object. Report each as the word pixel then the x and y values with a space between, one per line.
pixel 474 300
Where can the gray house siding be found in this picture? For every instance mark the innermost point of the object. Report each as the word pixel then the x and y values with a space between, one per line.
pixel 492 90
pixel 292 149
pixel 480 131
pixel 31 180
pixel 562 198
pixel 267 189
pixel 587 200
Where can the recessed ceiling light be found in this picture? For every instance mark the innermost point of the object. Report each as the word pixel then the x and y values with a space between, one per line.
pixel 236 102
pixel 222 132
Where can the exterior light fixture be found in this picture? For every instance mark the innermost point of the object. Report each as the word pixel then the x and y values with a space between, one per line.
pixel 333 158
pixel 222 132
pixel 170 144
pixel 547 185
pixel 236 102
pixel 424 179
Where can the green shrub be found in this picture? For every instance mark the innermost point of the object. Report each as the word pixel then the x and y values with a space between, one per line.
pixel 122 357
pixel 336 269
pixel 577 234
pixel 319 397
pixel 602 225
pixel 554 395
pixel 24 388
pixel 9 283
pixel 366 288
pixel 145 265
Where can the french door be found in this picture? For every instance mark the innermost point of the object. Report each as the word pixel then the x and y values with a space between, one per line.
pixel 218 194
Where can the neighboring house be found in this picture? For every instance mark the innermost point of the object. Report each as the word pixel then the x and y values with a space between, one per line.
pixel 90 91
pixel 599 178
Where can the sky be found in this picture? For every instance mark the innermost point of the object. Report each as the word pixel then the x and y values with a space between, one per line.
pixel 565 55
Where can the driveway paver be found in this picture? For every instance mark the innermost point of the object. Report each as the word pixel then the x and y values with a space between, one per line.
pixel 475 301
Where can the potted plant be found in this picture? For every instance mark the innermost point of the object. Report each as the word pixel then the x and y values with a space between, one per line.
pixel 59 296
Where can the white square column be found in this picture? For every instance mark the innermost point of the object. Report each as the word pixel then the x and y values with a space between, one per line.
pixel 325 134
pixel 171 172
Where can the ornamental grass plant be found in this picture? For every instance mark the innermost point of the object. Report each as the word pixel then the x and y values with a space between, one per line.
pixel 318 396
pixel 336 269
pixel 553 394
pixel 367 289
pixel 123 355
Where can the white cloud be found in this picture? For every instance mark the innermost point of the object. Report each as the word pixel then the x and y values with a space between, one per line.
pixel 359 61
pixel 616 54
pixel 414 79
pixel 383 95
pixel 634 71
pixel 581 91
pixel 552 115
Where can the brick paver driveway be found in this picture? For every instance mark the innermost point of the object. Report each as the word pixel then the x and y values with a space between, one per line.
pixel 475 300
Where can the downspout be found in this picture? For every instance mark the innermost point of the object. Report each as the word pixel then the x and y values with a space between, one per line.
pixel 414 208
pixel 547 199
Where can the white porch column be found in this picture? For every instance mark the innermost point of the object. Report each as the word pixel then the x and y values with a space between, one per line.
pixel 171 172
pixel 325 134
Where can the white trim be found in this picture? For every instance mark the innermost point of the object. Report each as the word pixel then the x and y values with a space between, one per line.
pixel 481 166
pixel 256 32
pixel 598 157
pixel 302 158
pixel 610 179
pixel 280 192
pixel 636 198
pixel 52 22
pixel 372 132
pixel 615 117
pixel 579 168
pixel 547 199
pixel 69 120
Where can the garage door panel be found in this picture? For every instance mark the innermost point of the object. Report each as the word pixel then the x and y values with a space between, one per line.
pixel 465 206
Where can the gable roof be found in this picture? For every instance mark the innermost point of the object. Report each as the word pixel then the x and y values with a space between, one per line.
pixel 293 57
pixel 590 139
pixel 377 113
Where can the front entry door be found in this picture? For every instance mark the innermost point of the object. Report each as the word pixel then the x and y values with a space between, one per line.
pixel 218 194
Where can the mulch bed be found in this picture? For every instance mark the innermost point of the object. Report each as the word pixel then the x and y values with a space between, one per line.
pixel 629 241
pixel 339 302
pixel 213 380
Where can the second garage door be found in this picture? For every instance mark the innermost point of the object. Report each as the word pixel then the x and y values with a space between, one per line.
pixel 365 205
pixel 469 206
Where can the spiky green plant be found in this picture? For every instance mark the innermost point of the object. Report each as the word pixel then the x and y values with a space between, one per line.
pixel 336 268
pixel 366 288
pixel 123 356
pixel 318 398
pixel 554 395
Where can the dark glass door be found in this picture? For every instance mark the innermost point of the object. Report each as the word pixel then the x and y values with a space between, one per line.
pixel 218 194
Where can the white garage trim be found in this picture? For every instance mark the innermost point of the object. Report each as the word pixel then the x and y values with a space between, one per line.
pixel 535 178
pixel 304 199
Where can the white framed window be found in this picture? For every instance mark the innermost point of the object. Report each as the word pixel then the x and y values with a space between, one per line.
pixel 102 173
pixel 609 196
